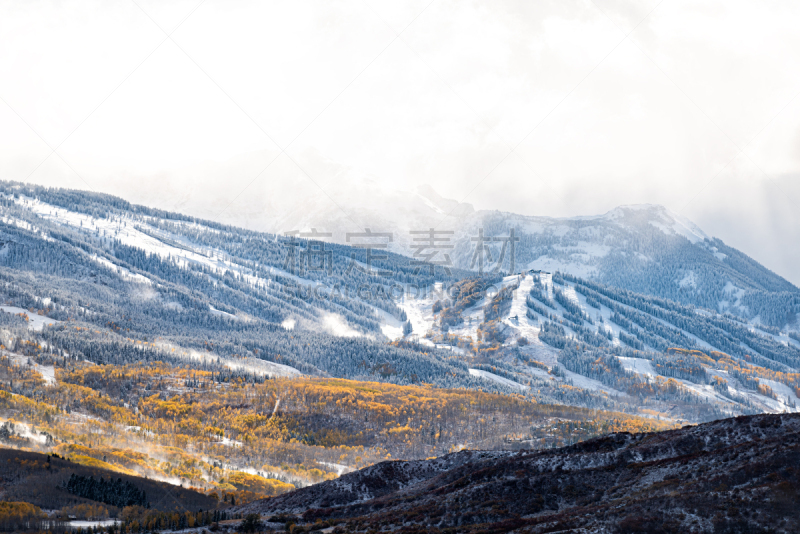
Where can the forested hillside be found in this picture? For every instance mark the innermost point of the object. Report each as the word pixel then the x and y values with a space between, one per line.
pixel 165 287
pixel 114 283
pixel 643 248
pixel 241 436
pixel 564 339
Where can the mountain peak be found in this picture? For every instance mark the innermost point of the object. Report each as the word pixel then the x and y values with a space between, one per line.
pixel 442 205
pixel 659 216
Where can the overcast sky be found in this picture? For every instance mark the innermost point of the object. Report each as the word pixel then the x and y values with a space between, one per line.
pixel 542 108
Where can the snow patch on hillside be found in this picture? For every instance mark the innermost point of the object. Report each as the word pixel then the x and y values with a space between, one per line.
pixel 252 365
pixel 25 225
pixel 497 378
pixel 122 271
pixel 637 365
pixel 336 325
pixel 734 298
pixel 689 280
pixel 419 309
pixel 47 372
pixel 705 391
pixel 584 382
pixel 220 313
pixel 783 391
pixel 36 322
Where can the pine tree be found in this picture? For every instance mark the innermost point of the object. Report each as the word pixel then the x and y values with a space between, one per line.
pixel 407 328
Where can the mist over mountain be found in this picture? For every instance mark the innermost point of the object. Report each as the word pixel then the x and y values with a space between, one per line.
pixel 643 248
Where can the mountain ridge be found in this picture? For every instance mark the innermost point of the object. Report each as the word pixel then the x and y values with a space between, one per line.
pixel 642 247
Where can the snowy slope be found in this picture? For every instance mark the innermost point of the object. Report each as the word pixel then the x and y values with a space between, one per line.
pixel 511 351
pixel 35 321
pixel 646 248
pixel 524 360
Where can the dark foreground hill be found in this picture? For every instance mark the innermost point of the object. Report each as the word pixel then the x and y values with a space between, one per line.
pixel 43 480
pixel 733 475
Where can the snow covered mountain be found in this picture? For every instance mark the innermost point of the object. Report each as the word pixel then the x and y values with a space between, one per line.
pixel 643 248
pixel 139 283
pixel 646 249
pixel 536 330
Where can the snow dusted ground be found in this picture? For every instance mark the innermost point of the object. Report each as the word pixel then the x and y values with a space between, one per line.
pixel 540 352
pixel 392 496
pixel 420 314
pixel 644 367
pixel 637 365
pixel 419 310
pixel 339 468
pixel 705 391
pixel 35 321
pixel 48 372
pixel 252 365
pixel 220 313
pixel 370 482
pixel 524 326
pixel 166 245
pixel 134 234
pixel 606 313
pixel 496 378
pixel 391 327
pixel 782 390
pixel 768 404
pixel 122 271
pixel 591 384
